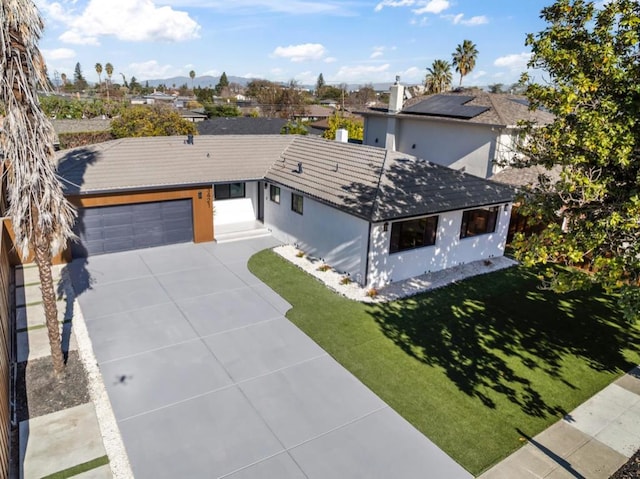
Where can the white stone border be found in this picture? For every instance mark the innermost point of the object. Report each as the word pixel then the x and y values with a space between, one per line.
pixel 111 438
pixel 393 291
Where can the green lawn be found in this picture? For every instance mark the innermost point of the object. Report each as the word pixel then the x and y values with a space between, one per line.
pixel 476 366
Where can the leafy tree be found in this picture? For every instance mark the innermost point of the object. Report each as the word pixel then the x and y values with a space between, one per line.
pixel 63 77
pixel 223 110
pixel 204 95
pixel 294 128
pixel 496 88
pixel 320 85
pixel 223 83
pixel 464 58
pixel 362 96
pixel 41 217
pixel 330 92
pixel 79 82
pixel 439 77
pixel 155 120
pixel 591 57
pixel 353 126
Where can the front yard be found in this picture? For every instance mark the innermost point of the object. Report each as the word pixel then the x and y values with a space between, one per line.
pixel 476 366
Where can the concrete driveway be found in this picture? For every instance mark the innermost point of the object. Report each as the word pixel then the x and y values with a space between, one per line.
pixel 207 378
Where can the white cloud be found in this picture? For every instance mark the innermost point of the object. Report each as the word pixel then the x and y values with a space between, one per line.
pixel 362 73
pixel 211 73
pixel 478 74
pixel 412 75
pixel 459 19
pixel 376 54
pixel 432 6
pixel 293 7
pixel 58 54
pixel 515 61
pixel 149 69
pixel 330 60
pixel 302 52
pixel 128 20
pixel 421 7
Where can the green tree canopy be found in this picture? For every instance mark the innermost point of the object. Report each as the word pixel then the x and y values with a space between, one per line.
pixel 79 81
pixel 438 77
pixel 319 85
pixel 464 58
pixel 591 56
pixel 353 126
pixel 225 109
pixel 155 120
pixel 223 83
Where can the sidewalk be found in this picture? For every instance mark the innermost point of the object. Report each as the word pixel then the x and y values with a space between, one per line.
pixel 591 442
pixel 67 442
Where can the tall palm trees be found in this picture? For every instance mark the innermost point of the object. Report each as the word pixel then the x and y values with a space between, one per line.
pixel 439 77
pixel 99 72
pixel 41 216
pixel 464 58
pixel 192 75
pixel 109 69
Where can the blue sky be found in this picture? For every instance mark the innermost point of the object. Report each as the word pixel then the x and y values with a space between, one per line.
pixel 355 42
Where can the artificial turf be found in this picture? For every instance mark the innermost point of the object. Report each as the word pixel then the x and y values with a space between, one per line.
pixel 477 366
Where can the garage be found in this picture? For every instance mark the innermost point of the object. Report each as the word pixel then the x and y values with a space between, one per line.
pixel 123 227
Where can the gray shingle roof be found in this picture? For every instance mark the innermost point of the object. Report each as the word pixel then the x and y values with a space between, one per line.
pixel 365 181
pixel 156 162
pixel 500 109
pixel 241 126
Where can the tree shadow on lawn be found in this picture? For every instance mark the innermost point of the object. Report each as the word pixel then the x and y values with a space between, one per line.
pixel 500 335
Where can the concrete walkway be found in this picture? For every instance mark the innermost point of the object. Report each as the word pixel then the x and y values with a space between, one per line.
pixel 64 440
pixel 207 378
pixel 591 442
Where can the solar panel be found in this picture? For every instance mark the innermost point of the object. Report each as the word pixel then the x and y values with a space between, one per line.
pixel 452 106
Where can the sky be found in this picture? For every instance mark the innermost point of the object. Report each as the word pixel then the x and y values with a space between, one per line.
pixel 348 41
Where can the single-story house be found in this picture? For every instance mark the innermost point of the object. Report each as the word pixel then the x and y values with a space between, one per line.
pixel 376 215
pixel 469 130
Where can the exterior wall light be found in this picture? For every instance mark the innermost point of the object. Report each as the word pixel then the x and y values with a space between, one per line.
pixel 385 226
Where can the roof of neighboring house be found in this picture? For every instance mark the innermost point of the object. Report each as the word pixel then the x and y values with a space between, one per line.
pixel 368 182
pixel 241 125
pixel 246 125
pixel 81 126
pixel 469 106
pixel 317 111
pixel 526 177
pixel 192 114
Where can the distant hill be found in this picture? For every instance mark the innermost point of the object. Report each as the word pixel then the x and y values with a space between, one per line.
pixel 199 81
pixel 211 81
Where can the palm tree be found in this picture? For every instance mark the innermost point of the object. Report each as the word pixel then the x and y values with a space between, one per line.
pixel 64 79
pixel 41 216
pixel 464 58
pixel 439 77
pixel 109 69
pixel 192 75
pixel 99 72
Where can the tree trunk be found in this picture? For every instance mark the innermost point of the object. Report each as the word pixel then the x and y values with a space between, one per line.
pixel 43 260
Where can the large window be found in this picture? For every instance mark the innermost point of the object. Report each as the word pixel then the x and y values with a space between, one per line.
pixel 274 194
pixel 227 191
pixel 296 203
pixel 478 222
pixel 413 234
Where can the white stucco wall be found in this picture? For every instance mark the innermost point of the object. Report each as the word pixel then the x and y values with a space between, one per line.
pixel 237 210
pixel 375 128
pixel 453 144
pixel 321 231
pixel 448 251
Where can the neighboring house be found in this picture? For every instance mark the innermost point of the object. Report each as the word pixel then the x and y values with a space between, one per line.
pixel 469 130
pixel 193 116
pixel 377 215
pixel 315 113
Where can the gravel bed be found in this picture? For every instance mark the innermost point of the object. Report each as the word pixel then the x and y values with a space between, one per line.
pixel 400 289
pixel 630 470
pixel 111 438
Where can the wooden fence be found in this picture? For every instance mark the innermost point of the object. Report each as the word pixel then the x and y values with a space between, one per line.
pixel 6 318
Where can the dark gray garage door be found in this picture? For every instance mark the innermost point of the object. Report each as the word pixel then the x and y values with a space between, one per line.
pixel 107 229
